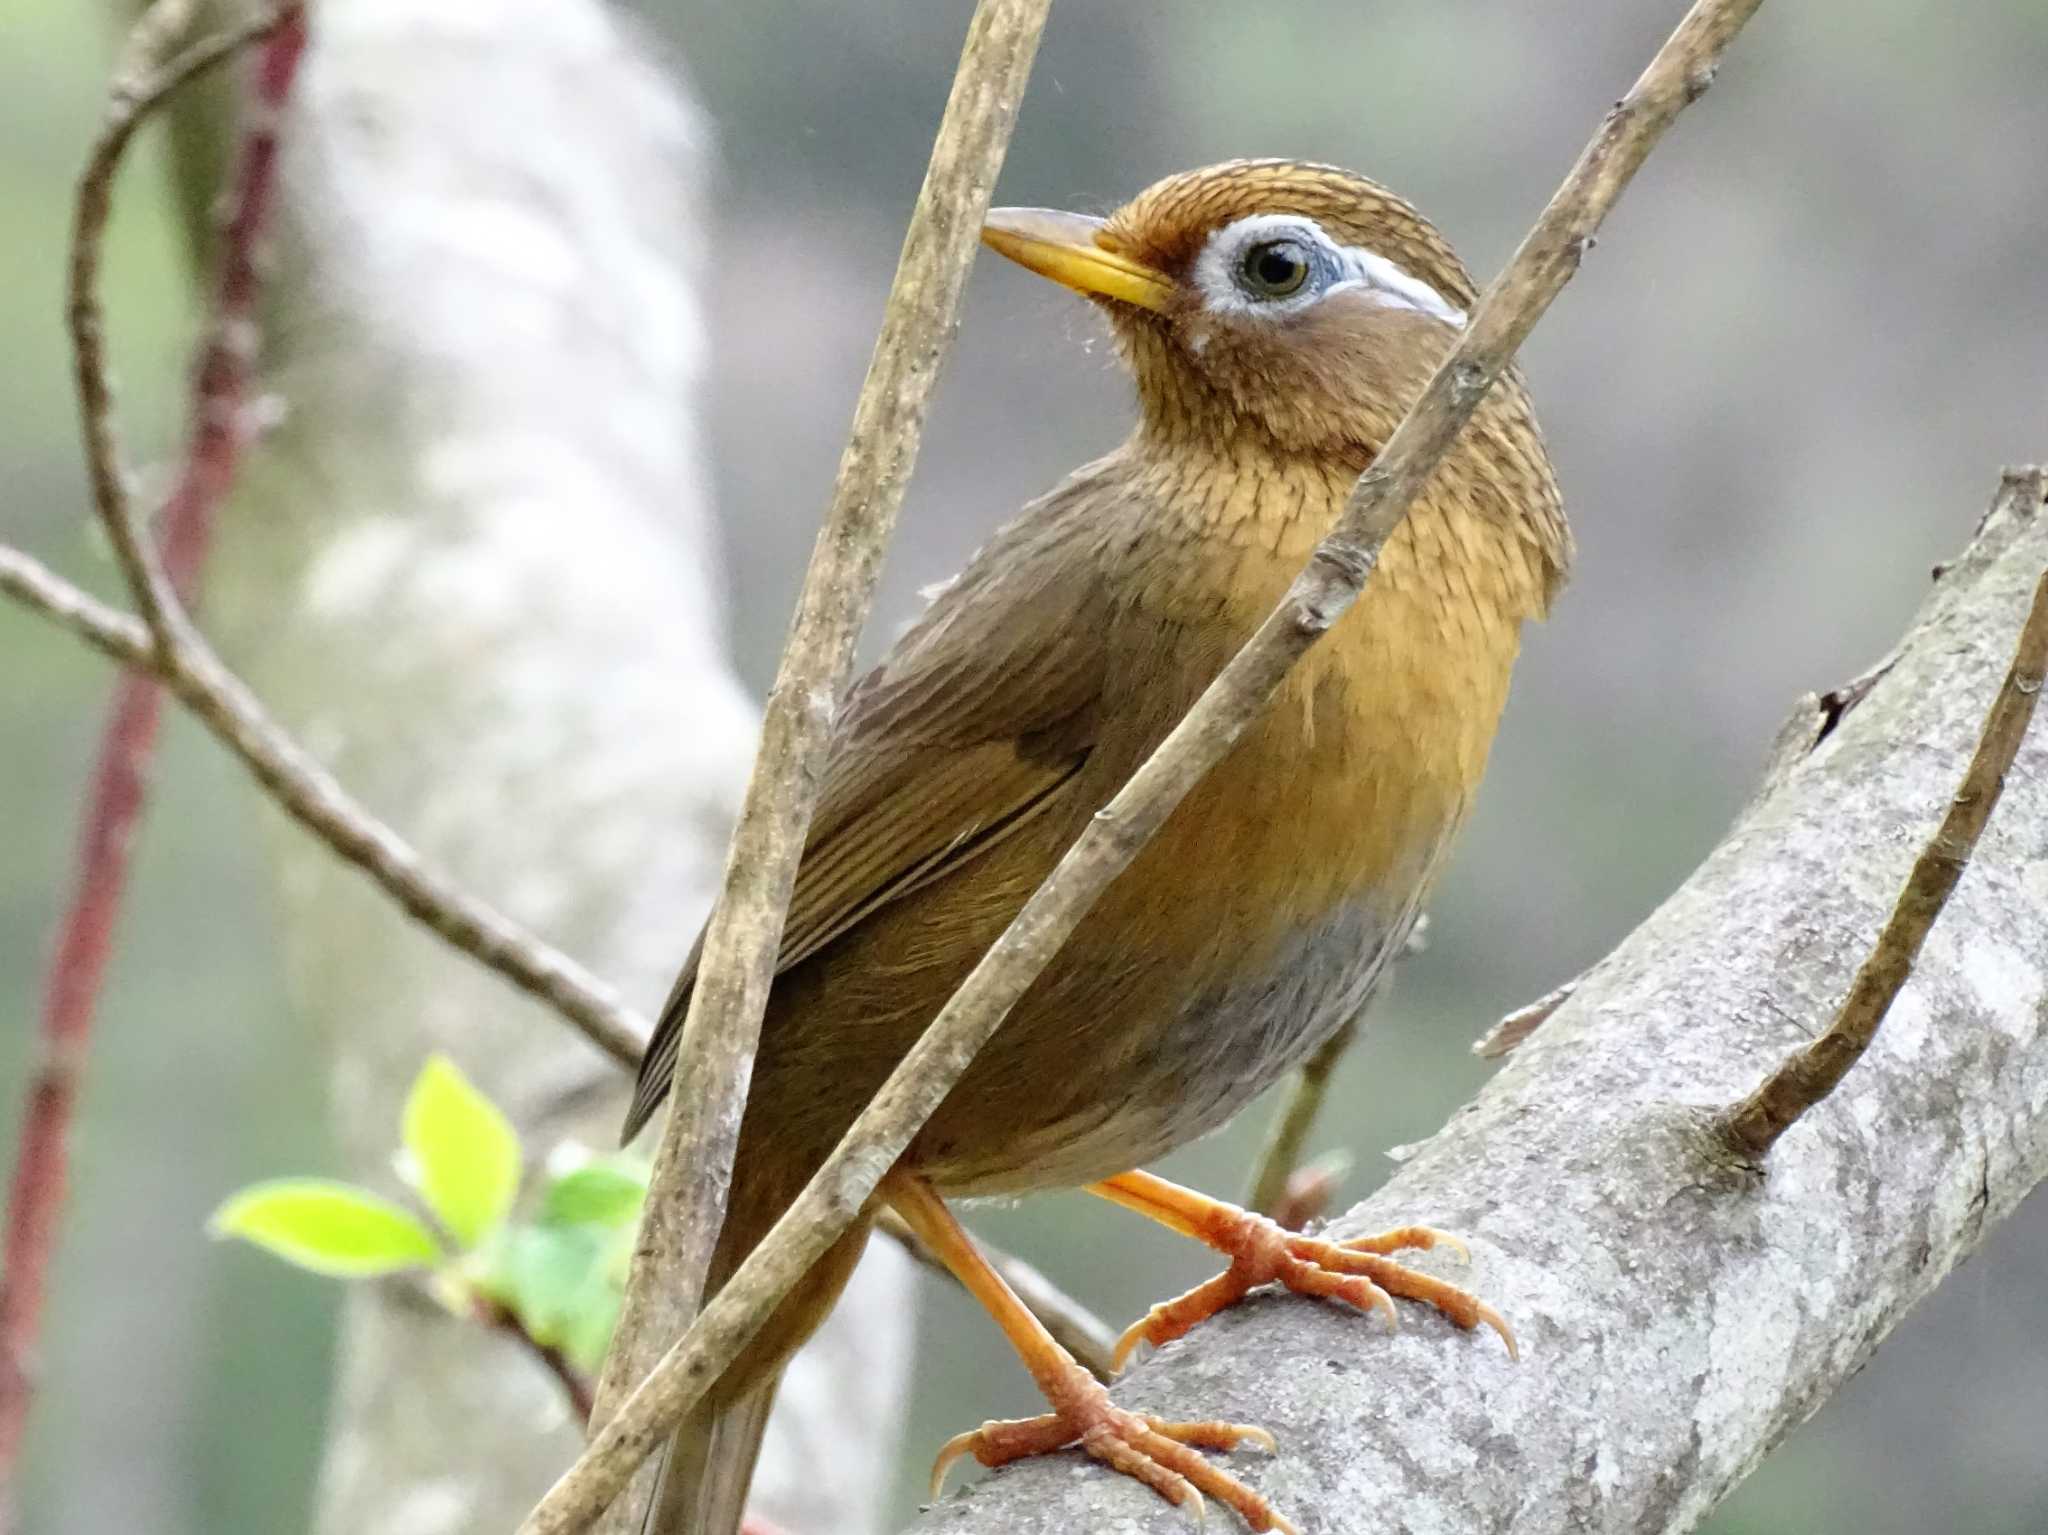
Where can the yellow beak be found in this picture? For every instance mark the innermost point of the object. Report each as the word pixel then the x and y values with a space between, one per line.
pixel 1067 247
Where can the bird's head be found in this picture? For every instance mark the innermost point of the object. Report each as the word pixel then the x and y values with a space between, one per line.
pixel 1296 300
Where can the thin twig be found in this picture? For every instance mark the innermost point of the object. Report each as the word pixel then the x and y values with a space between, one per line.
pixel 126 642
pixel 183 660
pixel 1525 1020
pixel 1078 1330
pixel 35 1201
pixel 108 630
pixel 310 795
pixel 1753 1126
pixel 693 1166
pixel 117 789
pixel 1273 1175
pixel 1681 70
pixel 576 1386
pixel 142 83
pixel 1281 1187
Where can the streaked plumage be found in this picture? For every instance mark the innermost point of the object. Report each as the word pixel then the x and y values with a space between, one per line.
pixel 970 758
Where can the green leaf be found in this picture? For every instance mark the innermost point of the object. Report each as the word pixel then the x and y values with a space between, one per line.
pixel 561 1284
pixel 328 1227
pixel 607 1193
pixel 589 1333
pixel 464 1153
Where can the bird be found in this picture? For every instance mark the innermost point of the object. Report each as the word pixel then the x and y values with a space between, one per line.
pixel 1277 318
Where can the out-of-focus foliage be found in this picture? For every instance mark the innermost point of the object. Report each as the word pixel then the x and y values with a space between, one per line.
pixel 461 1152
pixel 562 1278
pixel 1779 391
pixel 327 1227
pixel 559 1275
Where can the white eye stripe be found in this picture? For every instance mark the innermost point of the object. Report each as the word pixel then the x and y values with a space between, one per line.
pixel 1394 284
pixel 1385 280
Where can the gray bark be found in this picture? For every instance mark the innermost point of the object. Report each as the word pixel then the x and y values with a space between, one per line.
pixel 1679 1314
pixel 474 568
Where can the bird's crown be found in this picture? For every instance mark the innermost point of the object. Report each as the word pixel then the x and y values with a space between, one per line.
pixel 1171 223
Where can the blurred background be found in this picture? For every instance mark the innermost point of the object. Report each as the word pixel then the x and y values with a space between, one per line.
pixel 1780 391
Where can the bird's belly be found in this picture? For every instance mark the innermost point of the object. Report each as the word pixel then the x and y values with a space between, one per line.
pixel 1244 935
pixel 1147 1085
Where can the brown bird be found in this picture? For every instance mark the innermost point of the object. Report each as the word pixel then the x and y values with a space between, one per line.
pixel 1279 318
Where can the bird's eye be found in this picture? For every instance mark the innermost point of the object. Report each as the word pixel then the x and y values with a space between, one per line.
pixel 1274 268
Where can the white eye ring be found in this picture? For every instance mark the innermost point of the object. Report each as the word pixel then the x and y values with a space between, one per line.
pixel 1218 269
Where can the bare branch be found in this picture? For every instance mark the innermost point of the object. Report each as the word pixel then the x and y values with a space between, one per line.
pixel 1281 1186
pixel 112 633
pixel 309 794
pixel 142 83
pixel 1525 1020
pixel 181 658
pixel 116 792
pixel 1681 70
pixel 114 799
pixel 576 1386
pixel 693 1165
pixel 1807 1076
pixel 1272 1191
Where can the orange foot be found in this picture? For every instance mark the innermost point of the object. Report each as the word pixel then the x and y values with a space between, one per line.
pixel 1262 1252
pixel 1158 1453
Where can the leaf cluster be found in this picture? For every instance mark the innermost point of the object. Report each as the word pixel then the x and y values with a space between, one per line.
pixel 557 1272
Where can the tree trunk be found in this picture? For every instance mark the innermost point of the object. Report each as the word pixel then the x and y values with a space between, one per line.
pixel 474 567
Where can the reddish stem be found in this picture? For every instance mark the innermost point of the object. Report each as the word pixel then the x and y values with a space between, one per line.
pixel 114 798
pixel 576 1386
pixel 117 789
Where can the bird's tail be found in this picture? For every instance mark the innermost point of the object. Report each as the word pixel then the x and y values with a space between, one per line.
pixel 709 1464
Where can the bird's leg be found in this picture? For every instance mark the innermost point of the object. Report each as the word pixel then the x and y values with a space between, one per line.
pixel 1159 1453
pixel 1263 1252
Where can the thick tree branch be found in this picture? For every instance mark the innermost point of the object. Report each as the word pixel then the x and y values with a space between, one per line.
pixel 1681 70
pixel 1809 1074
pixel 693 1166
pixel 1679 1311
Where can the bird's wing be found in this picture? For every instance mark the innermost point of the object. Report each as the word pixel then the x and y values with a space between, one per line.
pixel 962 734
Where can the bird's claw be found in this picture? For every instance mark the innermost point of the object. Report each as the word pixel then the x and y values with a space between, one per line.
pixel 1358 1271
pixel 1156 1451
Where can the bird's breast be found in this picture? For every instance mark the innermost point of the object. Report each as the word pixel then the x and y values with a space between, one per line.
pixel 1259 917
pixel 1349 786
